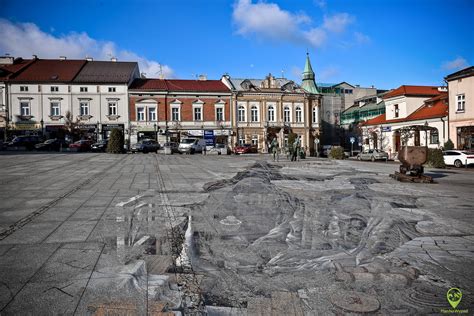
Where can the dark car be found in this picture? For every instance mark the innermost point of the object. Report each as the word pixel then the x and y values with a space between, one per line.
pixel 81 145
pixel 51 144
pixel 100 146
pixel 28 142
pixel 145 146
pixel 246 149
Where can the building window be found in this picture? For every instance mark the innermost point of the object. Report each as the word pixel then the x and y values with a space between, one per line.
pixel 23 88
pixel 219 114
pixel 241 140
pixel 84 108
pixel 397 110
pixel 112 89
pixel 241 114
pixel 140 114
pixel 55 109
pixel 315 115
pixel 299 115
pixel 25 108
pixel 152 114
pixel 286 115
pixel 54 89
pixel 255 140
pixel 197 113
pixel 175 114
pixel 461 102
pixel 83 89
pixel 271 114
pixel 254 114
pixel 434 137
pixel 112 108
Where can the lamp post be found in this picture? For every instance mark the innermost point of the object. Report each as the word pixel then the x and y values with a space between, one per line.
pixel 42 127
pixel 156 132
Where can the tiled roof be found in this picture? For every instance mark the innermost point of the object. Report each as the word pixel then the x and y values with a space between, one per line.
pixel 50 70
pixel 106 72
pixel 179 85
pixel 9 70
pixel 435 107
pixel 148 84
pixel 413 91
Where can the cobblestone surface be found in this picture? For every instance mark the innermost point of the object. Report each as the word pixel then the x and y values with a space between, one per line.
pixel 98 233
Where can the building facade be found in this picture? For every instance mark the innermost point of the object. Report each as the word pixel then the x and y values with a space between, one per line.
pixel 414 115
pixel 273 107
pixel 170 110
pixel 93 93
pixel 461 108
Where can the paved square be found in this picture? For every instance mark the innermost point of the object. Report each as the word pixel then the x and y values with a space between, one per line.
pixel 146 233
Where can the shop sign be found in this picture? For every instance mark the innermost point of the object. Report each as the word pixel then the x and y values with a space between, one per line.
pixel 86 126
pixel 109 127
pixel 195 132
pixel 26 126
pixel 209 137
pixel 221 132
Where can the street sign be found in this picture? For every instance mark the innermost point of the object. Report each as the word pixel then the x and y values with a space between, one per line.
pixel 386 128
pixel 352 140
pixel 316 140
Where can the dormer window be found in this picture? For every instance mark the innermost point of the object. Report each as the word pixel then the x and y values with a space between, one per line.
pixel 397 110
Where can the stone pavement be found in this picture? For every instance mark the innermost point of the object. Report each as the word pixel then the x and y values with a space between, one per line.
pixel 99 234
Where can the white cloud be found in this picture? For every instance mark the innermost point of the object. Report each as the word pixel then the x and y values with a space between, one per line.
pixel 321 3
pixel 329 72
pixel 361 38
pixel 455 64
pixel 338 22
pixel 26 39
pixel 268 21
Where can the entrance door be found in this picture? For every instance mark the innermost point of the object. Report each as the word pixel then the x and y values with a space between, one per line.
pixel 396 141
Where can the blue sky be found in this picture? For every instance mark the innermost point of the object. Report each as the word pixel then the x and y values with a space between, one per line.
pixel 381 43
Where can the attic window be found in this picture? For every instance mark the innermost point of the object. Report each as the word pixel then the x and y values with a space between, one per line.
pixel 54 77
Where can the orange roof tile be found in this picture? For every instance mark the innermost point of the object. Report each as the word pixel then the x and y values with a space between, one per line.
pixel 413 91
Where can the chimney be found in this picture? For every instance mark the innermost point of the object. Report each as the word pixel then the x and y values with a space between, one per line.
pixel 89 58
pixel 202 78
pixel 113 59
pixel 62 58
pixel 35 56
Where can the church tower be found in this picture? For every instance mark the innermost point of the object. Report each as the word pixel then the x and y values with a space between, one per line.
pixel 308 83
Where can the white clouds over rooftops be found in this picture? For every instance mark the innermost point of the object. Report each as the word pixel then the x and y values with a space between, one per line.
pixel 455 64
pixel 269 21
pixel 27 39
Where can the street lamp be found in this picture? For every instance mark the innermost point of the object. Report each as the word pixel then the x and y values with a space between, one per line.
pixel 42 127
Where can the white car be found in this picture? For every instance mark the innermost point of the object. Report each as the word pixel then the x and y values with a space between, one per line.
pixel 458 158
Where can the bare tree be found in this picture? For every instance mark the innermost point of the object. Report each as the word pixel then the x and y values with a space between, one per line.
pixel 70 124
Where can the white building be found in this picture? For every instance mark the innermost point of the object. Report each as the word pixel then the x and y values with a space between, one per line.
pixel 414 115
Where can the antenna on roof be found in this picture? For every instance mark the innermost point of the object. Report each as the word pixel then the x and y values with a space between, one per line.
pixel 282 73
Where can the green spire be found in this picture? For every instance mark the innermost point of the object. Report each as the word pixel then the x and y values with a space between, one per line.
pixel 308 83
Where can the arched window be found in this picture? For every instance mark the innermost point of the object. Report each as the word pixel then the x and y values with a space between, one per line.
pixel 298 114
pixel 271 114
pixel 254 114
pixel 286 114
pixel 241 114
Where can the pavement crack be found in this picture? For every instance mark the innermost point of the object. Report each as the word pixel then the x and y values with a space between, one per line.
pixel 59 289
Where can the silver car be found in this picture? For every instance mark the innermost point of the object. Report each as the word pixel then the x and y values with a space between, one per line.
pixel 373 154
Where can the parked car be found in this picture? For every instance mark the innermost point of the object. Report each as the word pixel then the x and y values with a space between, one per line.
pixel 145 146
pixel 219 149
pixel 100 146
pixel 81 145
pixel 326 149
pixel 192 145
pixel 173 147
pixel 246 149
pixel 458 158
pixel 372 154
pixel 28 142
pixel 51 144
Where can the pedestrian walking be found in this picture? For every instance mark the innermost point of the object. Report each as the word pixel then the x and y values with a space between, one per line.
pixel 296 149
pixel 274 147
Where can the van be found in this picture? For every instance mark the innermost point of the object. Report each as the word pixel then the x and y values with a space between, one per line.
pixel 191 145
